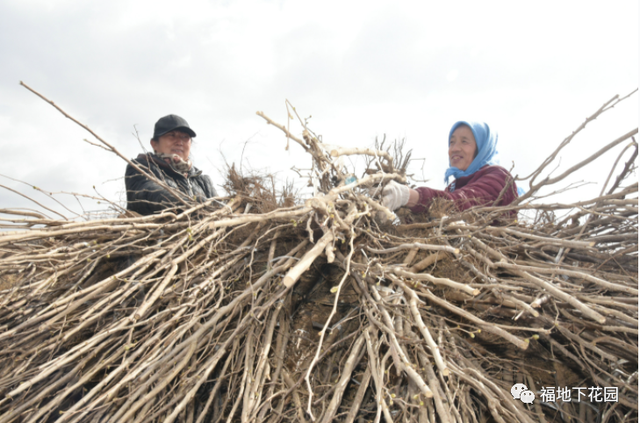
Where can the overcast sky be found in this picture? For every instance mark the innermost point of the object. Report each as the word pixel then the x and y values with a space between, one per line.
pixel 532 70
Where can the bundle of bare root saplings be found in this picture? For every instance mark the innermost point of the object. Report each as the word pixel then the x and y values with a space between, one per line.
pixel 261 311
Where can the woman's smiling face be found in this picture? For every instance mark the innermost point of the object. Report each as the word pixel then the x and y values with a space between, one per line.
pixel 462 147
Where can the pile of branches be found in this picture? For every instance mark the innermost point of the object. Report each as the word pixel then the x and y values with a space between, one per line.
pixel 322 311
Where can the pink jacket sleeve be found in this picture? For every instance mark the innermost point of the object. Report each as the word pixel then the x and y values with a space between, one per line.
pixel 480 189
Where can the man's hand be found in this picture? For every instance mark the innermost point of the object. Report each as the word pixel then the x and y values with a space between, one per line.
pixel 176 162
pixel 170 158
pixel 395 195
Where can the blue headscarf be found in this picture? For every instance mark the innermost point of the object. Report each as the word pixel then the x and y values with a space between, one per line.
pixel 486 142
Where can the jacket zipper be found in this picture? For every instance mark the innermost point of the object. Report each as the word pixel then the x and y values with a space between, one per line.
pixel 190 188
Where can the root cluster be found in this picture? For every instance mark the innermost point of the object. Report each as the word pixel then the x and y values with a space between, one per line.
pixel 320 312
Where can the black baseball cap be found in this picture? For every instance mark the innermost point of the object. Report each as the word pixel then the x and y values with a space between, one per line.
pixel 171 123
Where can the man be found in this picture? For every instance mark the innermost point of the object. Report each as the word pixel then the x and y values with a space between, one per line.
pixel 169 163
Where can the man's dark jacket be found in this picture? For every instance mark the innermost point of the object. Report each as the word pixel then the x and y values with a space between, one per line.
pixel 146 197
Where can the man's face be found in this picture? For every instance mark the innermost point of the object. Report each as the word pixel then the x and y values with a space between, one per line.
pixel 174 142
pixel 462 147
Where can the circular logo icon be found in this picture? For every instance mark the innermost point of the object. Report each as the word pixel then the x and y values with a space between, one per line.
pixel 518 389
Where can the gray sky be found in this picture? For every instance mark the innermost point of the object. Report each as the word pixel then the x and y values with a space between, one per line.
pixel 533 70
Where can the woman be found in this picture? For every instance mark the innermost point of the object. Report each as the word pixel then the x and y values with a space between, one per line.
pixel 478 181
pixel 169 162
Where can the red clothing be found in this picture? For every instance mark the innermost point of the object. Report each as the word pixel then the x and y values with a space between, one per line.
pixel 479 189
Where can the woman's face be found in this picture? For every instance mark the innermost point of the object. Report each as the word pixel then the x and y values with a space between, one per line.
pixel 462 147
pixel 174 142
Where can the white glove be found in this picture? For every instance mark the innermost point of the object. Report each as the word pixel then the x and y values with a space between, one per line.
pixel 395 195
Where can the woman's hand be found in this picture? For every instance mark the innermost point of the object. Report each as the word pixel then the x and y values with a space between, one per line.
pixel 395 195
